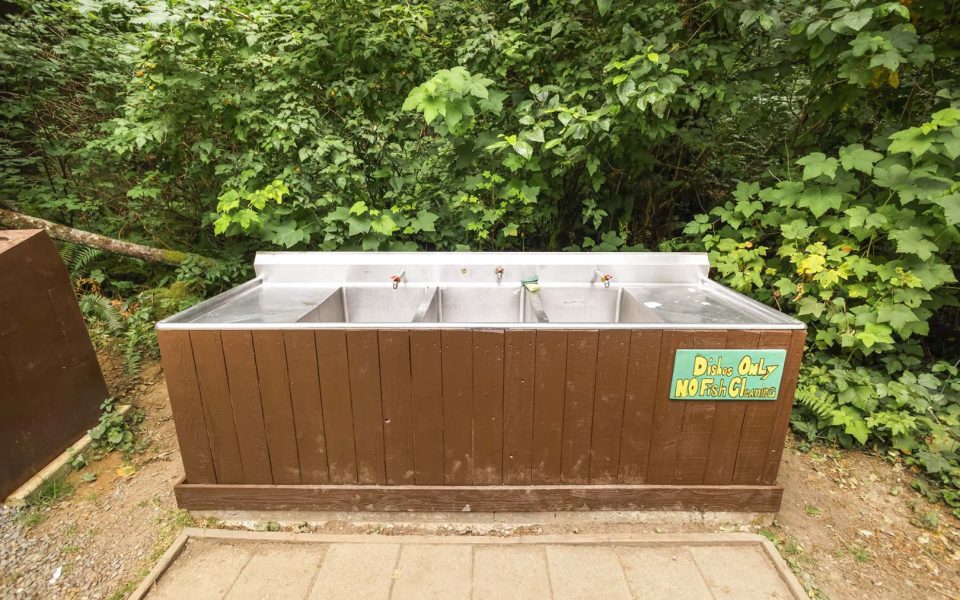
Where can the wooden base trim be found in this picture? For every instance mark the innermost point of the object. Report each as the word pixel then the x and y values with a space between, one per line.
pixel 415 498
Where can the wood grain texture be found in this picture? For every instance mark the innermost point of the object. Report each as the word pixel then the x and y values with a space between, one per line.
pixel 247 411
pixel 363 351
pixel 488 407
pixel 218 411
pixel 613 356
pixel 307 405
pixel 272 372
pixel 457 365
pixel 397 397
pixel 176 354
pixel 698 416
pixel 478 498
pixel 578 406
pixel 728 421
pixel 639 398
pixel 667 413
pixel 337 405
pixel 426 374
pixel 520 355
pixel 788 388
pixel 549 384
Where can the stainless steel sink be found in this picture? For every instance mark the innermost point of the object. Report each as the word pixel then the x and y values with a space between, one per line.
pixel 381 304
pixel 481 304
pixel 594 304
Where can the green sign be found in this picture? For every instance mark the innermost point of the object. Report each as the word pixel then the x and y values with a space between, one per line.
pixel 704 374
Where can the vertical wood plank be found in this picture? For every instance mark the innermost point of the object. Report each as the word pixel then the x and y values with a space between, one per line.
pixel 613 356
pixel 759 420
pixel 183 388
pixel 667 413
pixel 396 393
pixel 457 364
pixel 307 404
pixel 426 375
pixel 488 407
pixel 244 389
pixel 549 383
pixel 518 392
pixel 788 388
pixel 363 351
pixel 278 421
pixel 578 406
pixel 218 412
pixel 337 405
pixel 638 402
pixel 728 421
pixel 698 416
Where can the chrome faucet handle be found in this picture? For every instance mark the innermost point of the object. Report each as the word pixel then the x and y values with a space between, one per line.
pixel 604 278
pixel 499 272
pixel 396 279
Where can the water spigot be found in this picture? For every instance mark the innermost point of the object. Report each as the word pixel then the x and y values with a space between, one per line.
pixel 604 278
pixel 499 272
pixel 396 279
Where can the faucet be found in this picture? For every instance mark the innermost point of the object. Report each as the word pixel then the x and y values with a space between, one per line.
pixel 396 279
pixel 602 277
pixel 499 272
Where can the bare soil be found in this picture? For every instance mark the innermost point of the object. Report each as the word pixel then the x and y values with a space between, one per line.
pixel 850 526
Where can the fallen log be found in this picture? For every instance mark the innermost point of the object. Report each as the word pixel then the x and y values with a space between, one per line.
pixel 15 220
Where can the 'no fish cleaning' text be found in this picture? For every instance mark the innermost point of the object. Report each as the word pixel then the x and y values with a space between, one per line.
pixel 727 374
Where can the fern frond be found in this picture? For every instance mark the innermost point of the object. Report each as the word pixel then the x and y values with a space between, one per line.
pixel 82 260
pixel 97 308
pixel 820 404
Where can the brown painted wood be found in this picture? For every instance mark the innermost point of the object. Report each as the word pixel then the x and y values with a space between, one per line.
pixel 457 363
pixel 478 498
pixel 613 356
pixel 270 351
pixel 788 387
pixel 640 394
pixel 518 392
pixel 337 405
pixel 363 352
pixel 247 410
pixel 176 355
pixel 549 384
pixel 759 421
pixel 728 421
pixel 698 416
pixel 488 407
pixel 667 413
pixel 426 375
pixel 218 411
pixel 396 393
pixel 307 405
pixel 578 406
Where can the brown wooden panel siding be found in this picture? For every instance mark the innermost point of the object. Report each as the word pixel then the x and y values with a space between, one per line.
pixel 785 404
pixel 638 401
pixel 277 410
pixel 520 357
pixel 578 406
pixel 364 362
pixel 307 404
pixel 218 412
pixel 698 416
pixel 758 421
pixel 180 373
pixel 426 375
pixel 550 378
pixel 667 413
pixel 613 356
pixel 457 364
pixel 728 421
pixel 337 405
pixel 247 410
pixel 396 393
pixel 488 407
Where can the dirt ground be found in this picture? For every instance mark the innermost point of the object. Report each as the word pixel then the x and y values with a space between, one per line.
pixel 851 526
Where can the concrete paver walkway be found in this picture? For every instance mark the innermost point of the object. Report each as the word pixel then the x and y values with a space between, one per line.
pixel 212 564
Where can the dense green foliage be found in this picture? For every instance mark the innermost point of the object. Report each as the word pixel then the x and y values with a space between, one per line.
pixel 811 147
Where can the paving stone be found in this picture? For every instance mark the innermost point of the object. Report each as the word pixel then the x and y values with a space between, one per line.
pixel 433 571
pixel 739 572
pixel 586 573
pixel 356 572
pixel 206 569
pixel 278 571
pixel 662 572
pixel 510 573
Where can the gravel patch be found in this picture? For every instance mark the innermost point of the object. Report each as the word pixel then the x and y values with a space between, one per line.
pixel 31 566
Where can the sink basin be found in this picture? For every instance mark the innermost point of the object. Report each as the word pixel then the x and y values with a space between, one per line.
pixel 593 305
pixel 372 305
pixel 481 304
